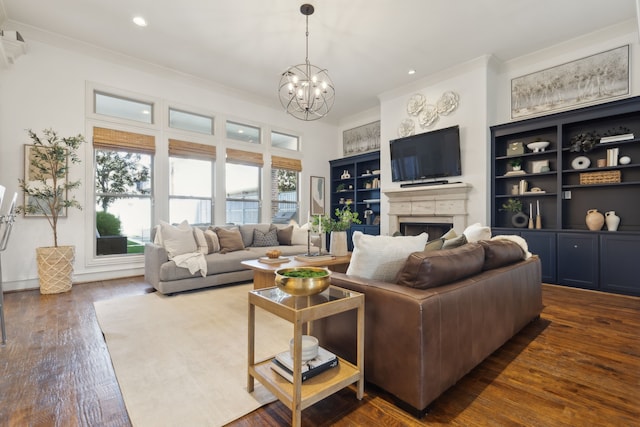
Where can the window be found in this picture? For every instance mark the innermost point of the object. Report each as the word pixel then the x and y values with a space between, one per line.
pixel 123 184
pixel 190 182
pixel 242 177
pixel 190 121
pixel 245 133
pixel 284 188
pixel 124 108
pixel 281 140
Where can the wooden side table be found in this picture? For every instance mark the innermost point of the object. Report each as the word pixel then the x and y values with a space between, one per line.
pixel 301 311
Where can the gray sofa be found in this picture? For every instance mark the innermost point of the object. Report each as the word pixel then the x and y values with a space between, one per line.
pixel 222 268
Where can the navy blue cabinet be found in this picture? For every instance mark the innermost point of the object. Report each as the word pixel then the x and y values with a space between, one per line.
pixel 543 244
pixel 578 260
pixel 620 263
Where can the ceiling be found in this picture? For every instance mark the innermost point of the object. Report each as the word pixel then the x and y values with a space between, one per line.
pixel 368 46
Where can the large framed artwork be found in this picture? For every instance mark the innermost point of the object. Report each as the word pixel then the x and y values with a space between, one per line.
pixel 361 139
pixel 34 178
pixel 583 81
pixel 317 191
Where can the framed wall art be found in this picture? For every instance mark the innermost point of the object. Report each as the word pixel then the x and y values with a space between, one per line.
pixel 317 191
pixel 34 179
pixel 361 139
pixel 583 81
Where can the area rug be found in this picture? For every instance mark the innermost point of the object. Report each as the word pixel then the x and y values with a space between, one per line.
pixel 182 360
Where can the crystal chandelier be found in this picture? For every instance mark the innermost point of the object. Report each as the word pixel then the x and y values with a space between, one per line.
pixel 306 91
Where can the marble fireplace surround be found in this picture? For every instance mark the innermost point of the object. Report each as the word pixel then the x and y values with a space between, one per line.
pixel 432 204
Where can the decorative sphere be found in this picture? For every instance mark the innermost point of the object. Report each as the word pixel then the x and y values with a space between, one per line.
pixel 624 160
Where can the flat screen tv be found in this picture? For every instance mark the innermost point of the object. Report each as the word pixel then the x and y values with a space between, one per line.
pixel 428 155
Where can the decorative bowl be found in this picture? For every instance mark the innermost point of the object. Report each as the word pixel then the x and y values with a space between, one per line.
pixel 538 146
pixel 309 347
pixel 274 253
pixel 301 285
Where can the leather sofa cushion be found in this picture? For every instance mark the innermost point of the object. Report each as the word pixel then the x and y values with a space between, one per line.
pixel 429 269
pixel 498 253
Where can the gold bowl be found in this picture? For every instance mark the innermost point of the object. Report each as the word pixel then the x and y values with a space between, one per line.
pixel 303 286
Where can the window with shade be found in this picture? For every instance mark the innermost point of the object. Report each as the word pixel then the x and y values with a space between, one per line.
pixel 285 191
pixel 123 165
pixel 191 182
pixel 243 186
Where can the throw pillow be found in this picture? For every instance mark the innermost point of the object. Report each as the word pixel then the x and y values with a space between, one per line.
pixel 425 270
pixel 177 240
pixel 285 235
pixel 260 239
pixel 299 234
pixel 230 239
pixel 381 257
pixel 213 244
pixel 516 239
pixel 434 245
pixel 449 234
pixel 201 242
pixel 500 252
pixel 246 231
pixel 455 242
pixel 476 232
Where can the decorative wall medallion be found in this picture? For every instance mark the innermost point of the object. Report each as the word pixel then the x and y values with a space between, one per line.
pixel 416 104
pixel 407 128
pixel 428 116
pixel 447 103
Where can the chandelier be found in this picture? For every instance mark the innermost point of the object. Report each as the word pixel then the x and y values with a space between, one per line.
pixel 306 91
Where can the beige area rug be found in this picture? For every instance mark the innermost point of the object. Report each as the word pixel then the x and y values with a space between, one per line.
pixel 182 360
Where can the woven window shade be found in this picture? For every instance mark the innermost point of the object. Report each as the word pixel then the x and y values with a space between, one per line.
pixel 278 162
pixel 191 149
pixel 244 157
pixel 117 140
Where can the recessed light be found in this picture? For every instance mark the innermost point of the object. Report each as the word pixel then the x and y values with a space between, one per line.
pixel 139 21
pixel 412 72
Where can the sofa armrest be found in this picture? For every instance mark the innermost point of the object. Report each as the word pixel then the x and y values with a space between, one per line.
pixel 154 257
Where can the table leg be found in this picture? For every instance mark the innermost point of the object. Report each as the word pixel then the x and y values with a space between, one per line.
pixel 251 345
pixel 297 374
pixel 360 351
pixel 263 279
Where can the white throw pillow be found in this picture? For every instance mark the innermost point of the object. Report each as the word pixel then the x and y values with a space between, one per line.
pixel 516 239
pixel 476 232
pixel 382 257
pixel 299 234
pixel 178 240
pixel 201 242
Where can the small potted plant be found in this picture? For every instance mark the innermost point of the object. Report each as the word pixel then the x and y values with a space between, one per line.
pixel 516 164
pixel 47 192
pixel 340 188
pixel 338 227
pixel 519 218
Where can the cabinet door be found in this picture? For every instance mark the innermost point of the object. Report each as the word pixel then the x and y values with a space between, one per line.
pixel 578 260
pixel 619 266
pixel 543 244
pixel 373 230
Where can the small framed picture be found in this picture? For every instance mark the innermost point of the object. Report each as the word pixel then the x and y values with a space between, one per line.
pixel 539 166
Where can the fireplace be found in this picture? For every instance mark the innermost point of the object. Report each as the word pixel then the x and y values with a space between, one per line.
pixel 437 208
pixel 434 230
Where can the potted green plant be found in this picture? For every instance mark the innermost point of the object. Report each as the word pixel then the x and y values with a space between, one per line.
pixel 516 163
pixel 47 193
pixel 519 218
pixel 338 226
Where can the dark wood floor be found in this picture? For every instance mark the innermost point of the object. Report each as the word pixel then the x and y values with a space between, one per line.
pixel 578 365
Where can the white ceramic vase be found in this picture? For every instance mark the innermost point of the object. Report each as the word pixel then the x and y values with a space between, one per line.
pixel 612 220
pixel 338 243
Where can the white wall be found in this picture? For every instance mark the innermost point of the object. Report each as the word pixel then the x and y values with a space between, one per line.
pixel 47 88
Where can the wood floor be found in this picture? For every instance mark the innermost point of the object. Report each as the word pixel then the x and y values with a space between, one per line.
pixel 578 365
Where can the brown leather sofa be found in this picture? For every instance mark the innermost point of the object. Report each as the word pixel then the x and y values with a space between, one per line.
pixel 420 342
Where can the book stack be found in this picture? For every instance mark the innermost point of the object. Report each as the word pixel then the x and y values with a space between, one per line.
pixel 612 156
pixel 283 364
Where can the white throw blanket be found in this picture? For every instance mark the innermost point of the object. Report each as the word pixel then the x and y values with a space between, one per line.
pixel 516 239
pixel 193 261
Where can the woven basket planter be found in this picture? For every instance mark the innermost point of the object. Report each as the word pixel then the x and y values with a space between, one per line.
pixel 55 268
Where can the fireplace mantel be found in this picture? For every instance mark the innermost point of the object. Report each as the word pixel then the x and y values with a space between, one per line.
pixel 446 203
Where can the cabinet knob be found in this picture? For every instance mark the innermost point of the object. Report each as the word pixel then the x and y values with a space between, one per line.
pixel 575 246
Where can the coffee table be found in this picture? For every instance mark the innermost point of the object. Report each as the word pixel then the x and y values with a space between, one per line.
pixel 264 275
